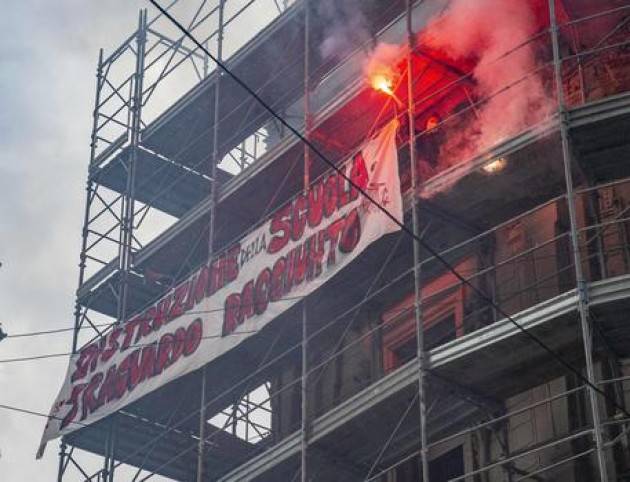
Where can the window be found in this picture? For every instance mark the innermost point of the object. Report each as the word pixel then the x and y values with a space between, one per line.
pixel 442 314
pixel 402 346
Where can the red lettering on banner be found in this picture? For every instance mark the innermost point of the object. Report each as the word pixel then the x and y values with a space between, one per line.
pixel 247 301
pixel 261 291
pixel 300 261
pixel 137 367
pixel 89 402
pixel 145 368
pixel 129 328
pixel 231 313
pixel 344 192
pixel 161 312
pixel 190 293
pixel 144 328
pixel 299 217
pixel 83 362
pixel 177 308
pixel 301 264
pixel 149 316
pixel 277 279
pixel 331 186
pixel 112 346
pixel 288 272
pixel 359 176
pixel 351 232
pixel 231 264
pixel 107 393
pixel 280 229
pixel 122 380
pixel 333 233
pixel 74 404
pixel 201 286
pixel 178 347
pixel 165 348
pixel 216 277
pixel 194 335
pixel 316 254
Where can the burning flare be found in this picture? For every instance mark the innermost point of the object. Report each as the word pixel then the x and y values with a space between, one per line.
pixel 380 68
pixel 382 83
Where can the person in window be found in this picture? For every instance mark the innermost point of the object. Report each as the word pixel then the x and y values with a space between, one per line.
pixel 428 142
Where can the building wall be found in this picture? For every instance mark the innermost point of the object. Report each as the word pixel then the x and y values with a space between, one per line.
pixel 534 264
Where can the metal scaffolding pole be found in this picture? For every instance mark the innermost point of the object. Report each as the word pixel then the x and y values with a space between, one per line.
pixel 582 286
pixel 78 315
pixel 307 167
pixel 62 461
pixel 128 199
pixel 304 393
pixel 110 441
pixel 416 251
pixel 88 200
pixel 214 161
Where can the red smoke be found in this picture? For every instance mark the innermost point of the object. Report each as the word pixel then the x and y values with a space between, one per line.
pixel 485 31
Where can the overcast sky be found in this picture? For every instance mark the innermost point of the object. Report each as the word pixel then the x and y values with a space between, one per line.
pixel 48 54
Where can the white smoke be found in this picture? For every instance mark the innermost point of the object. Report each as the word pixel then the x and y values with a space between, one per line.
pixel 384 60
pixel 345 27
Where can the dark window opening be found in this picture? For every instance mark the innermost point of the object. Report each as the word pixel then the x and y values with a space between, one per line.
pixel 440 332
pixel 406 351
pixel 404 348
pixel 441 469
pixel 447 466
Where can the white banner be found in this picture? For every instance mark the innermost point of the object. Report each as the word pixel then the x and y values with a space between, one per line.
pixel 300 247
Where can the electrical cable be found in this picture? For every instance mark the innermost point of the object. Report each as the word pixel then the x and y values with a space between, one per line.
pixel 36 414
pixel 136 345
pixel 386 212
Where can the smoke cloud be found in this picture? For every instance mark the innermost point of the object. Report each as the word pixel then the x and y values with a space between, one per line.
pixel 346 27
pixel 484 31
pixel 383 61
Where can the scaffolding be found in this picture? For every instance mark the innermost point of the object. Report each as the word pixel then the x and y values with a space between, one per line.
pixel 397 370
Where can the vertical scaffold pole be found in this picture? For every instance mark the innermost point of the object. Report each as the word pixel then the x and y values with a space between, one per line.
pixel 582 287
pixel 62 461
pixel 128 199
pixel 110 444
pixel 84 234
pixel 88 198
pixel 304 393
pixel 307 167
pixel 417 305
pixel 214 161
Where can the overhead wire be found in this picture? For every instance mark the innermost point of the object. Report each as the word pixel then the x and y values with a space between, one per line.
pixel 135 345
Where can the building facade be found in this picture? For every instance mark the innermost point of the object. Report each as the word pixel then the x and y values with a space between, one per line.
pixel 514 157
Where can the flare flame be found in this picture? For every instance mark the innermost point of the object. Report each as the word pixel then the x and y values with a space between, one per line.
pixel 382 83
